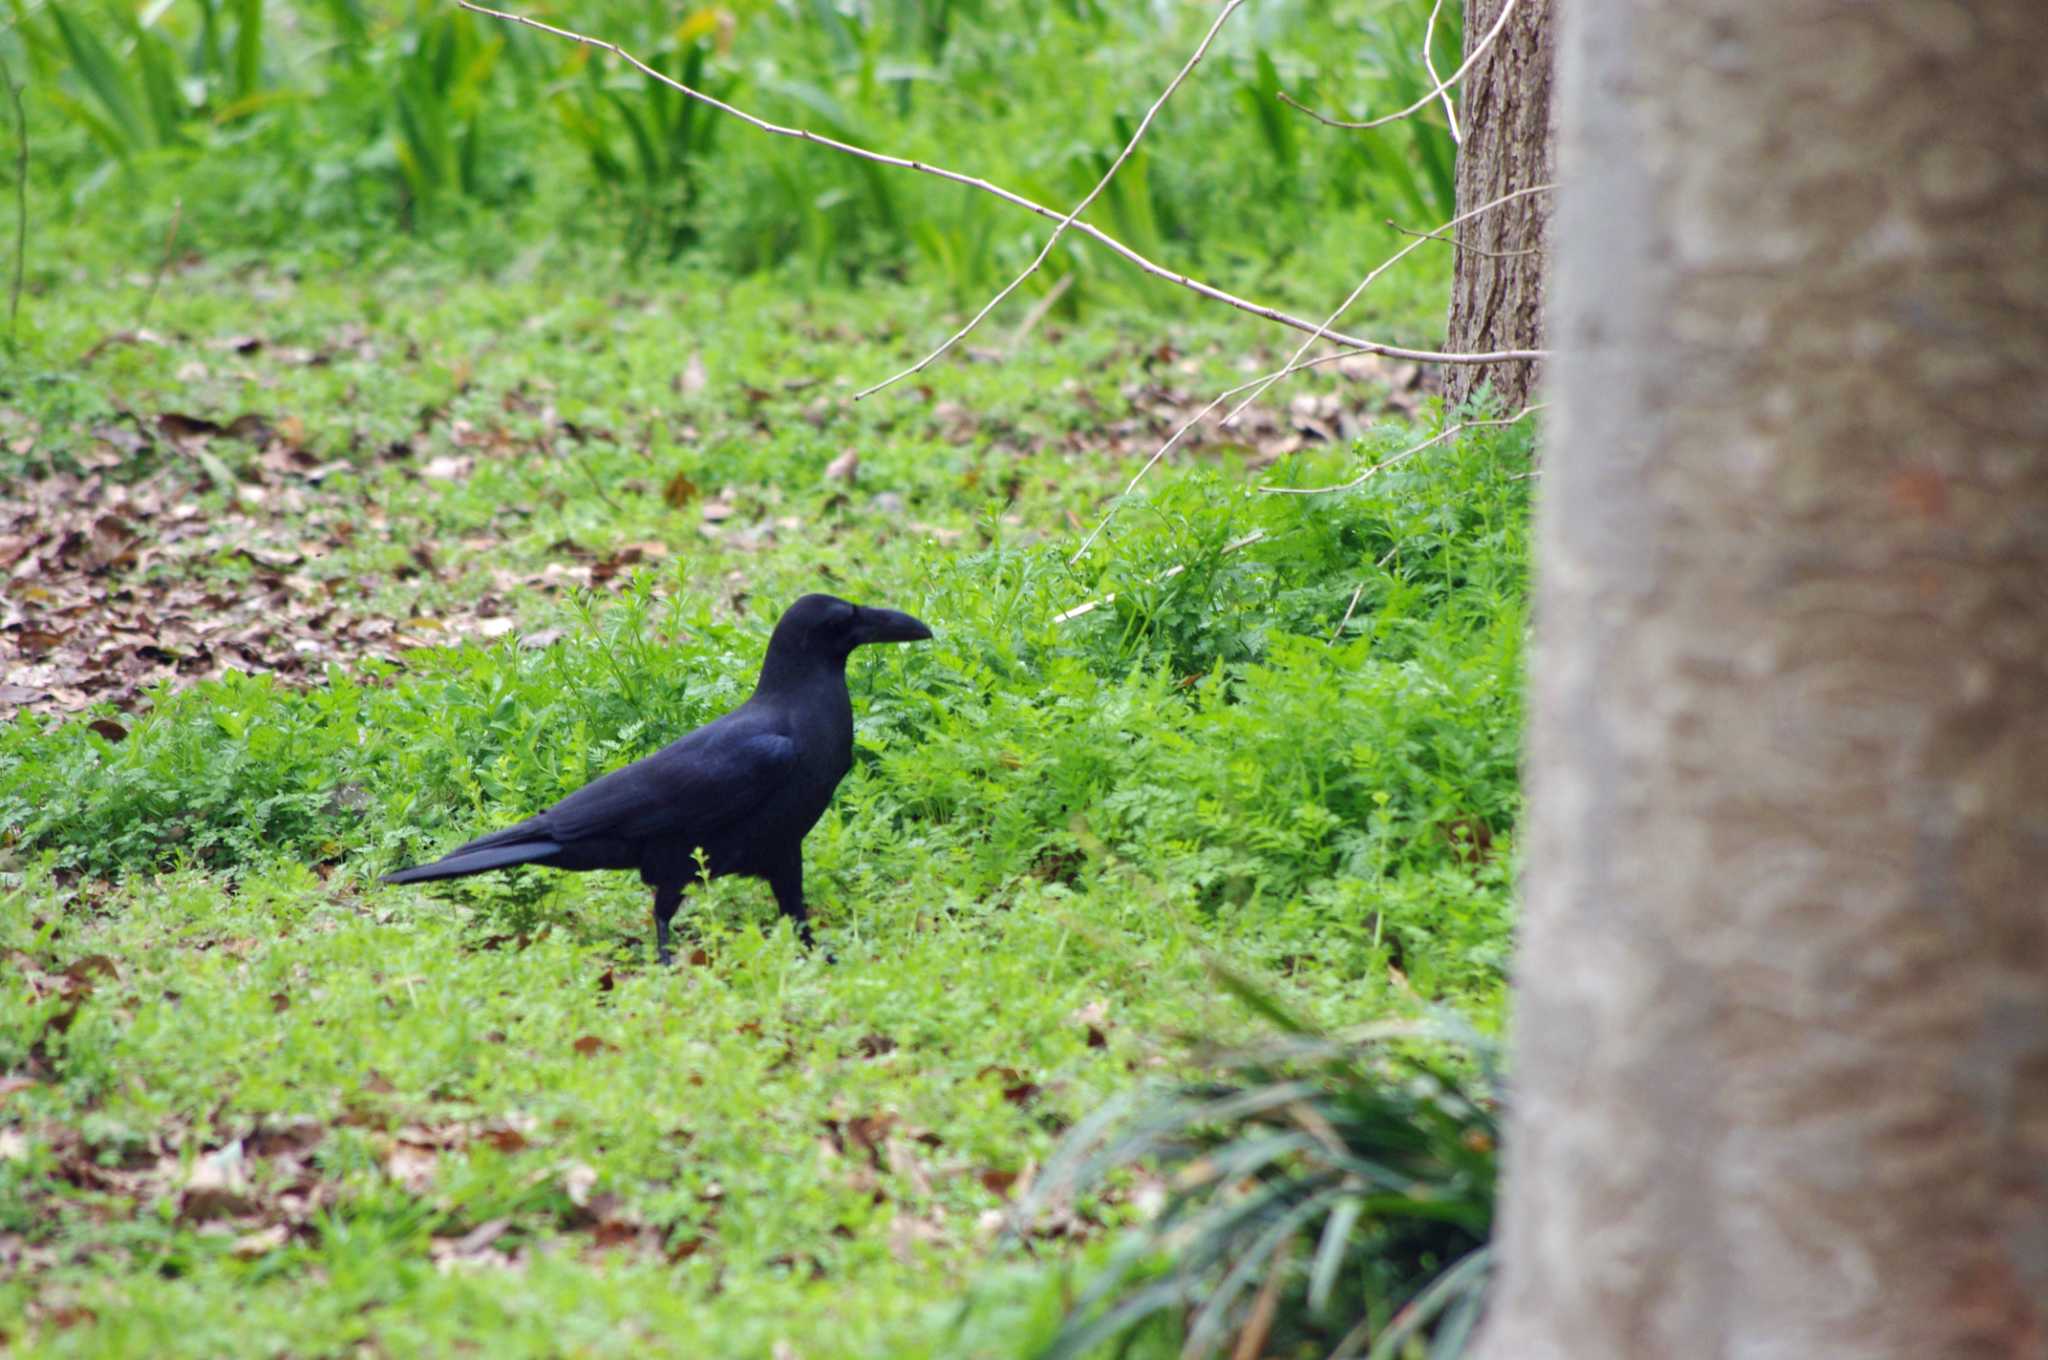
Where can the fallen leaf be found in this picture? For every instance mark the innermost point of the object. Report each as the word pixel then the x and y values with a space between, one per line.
pixel 412 1165
pixel 479 1238
pixel 262 1242
pixel 506 1140
pixel 680 490
pixel 218 1186
pixel 590 1046
pixel 578 1180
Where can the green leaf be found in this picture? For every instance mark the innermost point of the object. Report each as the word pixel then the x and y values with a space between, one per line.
pixel 102 75
pixel 248 47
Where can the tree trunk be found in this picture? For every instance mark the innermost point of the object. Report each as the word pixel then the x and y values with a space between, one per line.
pixel 1781 1073
pixel 1497 282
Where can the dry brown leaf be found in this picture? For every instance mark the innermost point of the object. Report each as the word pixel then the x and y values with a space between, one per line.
pixel 412 1165
pixel 680 491
pixel 262 1242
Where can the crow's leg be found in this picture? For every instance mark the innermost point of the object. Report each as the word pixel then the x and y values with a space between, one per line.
pixel 667 898
pixel 788 883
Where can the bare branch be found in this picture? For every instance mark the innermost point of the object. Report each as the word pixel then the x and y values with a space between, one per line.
pixel 1358 594
pixel 1235 545
pixel 1171 443
pixel 1438 235
pixel 1230 7
pixel 1442 85
pixel 1365 282
pixel 1429 65
pixel 1294 365
pixel 1405 454
pixel 1038 311
pixel 1209 291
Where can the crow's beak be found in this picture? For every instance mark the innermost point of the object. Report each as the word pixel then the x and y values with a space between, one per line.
pixel 889 625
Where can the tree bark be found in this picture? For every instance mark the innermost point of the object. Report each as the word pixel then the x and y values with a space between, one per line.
pixel 1497 281
pixel 1781 1074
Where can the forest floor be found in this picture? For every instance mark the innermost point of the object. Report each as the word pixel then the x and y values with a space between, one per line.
pixel 322 569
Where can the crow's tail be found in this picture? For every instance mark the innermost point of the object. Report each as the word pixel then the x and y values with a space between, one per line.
pixel 475 859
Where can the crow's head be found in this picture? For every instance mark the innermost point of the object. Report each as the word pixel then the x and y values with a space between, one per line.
pixel 826 626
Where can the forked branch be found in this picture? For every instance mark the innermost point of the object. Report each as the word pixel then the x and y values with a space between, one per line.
pixel 1377 468
pixel 1206 290
pixel 1436 90
pixel 1014 284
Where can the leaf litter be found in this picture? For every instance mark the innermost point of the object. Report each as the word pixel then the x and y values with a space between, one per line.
pixel 113 583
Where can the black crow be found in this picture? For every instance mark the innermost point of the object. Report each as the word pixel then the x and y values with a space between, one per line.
pixel 744 789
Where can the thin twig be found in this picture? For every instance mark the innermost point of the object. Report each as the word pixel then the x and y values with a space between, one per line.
pixel 1235 545
pixel 1206 290
pixel 1452 240
pixel 1405 454
pixel 1338 631
pixel 1474 55
pixel 163 263
pixel 1292 366
pixel 1366 282
pixel 1038 311
pixel 1358 594
pixel 1230 7
pixel 1429 65
pixel 1173 441
pixel 20 206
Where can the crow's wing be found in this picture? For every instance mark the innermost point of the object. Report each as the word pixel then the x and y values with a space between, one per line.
pixel 692 788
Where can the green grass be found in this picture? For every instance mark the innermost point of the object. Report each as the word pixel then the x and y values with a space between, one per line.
pixel 1045 817
pixel 351 122
pixel 251 1103
pixel 1047 821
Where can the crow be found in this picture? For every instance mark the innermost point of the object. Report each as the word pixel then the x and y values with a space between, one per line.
pixel 743 790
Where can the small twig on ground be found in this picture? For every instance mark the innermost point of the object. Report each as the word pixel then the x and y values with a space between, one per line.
pixel 1038 311
pixel 1359 594
pixel 596 483
pixel 1429 65
pixel 20 205
pixel 1229 8
pixel 1405 454
pixel 164 263
pixel 1235 545
pixel 1424 102
pixel 1338 631
pixel 1366 282
pixel 1454 241
pixel 1094 233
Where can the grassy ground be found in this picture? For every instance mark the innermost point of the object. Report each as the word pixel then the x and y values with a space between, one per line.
pixel 320 563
